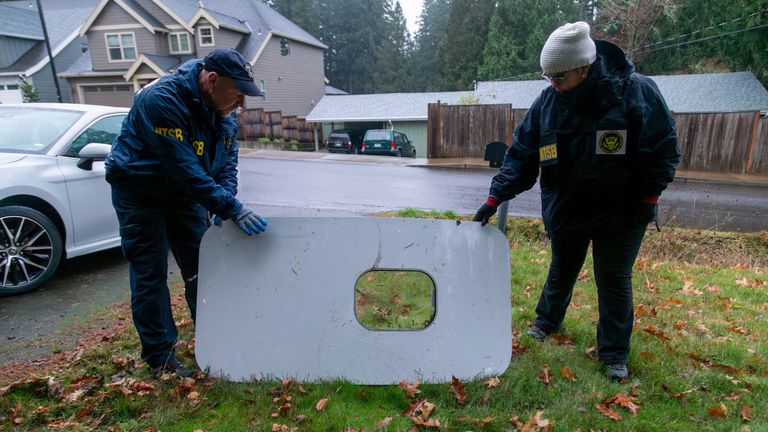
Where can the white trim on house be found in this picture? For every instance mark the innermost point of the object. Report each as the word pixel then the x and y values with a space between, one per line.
pixel 261 49
pixel 96 12
pixel 174 27
pixel 289 36
pixel 22 36
pixel 41 64
pixel 116 27
pixel 90 74
pixel 141 61
pixel 173 15
pixel 122 53
pixel 178 42
pixel 200 36
pixel 202 13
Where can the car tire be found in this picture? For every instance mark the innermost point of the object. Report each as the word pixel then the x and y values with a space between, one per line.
pixel 413 155
pixel 399 153
pixel 30 250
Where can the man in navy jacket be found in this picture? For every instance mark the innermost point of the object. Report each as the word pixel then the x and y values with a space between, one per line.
pixel 174 161
pixel 606 146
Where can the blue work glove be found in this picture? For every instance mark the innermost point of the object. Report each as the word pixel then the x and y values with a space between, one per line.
pixel 249 222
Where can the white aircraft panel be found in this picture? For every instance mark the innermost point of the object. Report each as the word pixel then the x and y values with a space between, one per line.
pixel 282 304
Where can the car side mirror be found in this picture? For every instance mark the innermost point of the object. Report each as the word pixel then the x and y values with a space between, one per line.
pixel 92 152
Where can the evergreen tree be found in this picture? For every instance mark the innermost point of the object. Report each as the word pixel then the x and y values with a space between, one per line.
pixel 518 31
pixel 460 57
pixel 392 71
pixel 300 12
pixel 430 36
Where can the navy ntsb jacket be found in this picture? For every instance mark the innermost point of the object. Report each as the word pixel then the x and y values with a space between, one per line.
pixel 601 149
pixel 171 139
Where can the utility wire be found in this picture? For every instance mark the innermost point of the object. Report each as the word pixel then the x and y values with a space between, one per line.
pixel 703 39
pixel 645 47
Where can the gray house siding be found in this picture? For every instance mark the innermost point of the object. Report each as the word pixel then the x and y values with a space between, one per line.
pixel 12 48
pixel 43 79
pixel 226 38
pixel 146 42
pixel 158 13
pixel 113 14
pixel 144 69
pixel 293 84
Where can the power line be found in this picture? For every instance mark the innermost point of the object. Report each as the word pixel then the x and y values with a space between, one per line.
pixel 704 38
pixel 643 48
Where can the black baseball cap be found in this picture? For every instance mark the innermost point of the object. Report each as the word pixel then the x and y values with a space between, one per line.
pixel 229 63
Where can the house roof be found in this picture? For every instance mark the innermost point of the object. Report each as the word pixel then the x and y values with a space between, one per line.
pixel 63 20
pixel 380 107
pixel 20 23
pixel 700 93
pixel 694 93
pixel 252 17
pixel 331 90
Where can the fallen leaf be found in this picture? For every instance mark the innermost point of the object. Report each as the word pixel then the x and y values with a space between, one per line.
pixel 544 375
pixel 608 412
pixel 14 412
pixel 410 389
pixel 746 413
pixel 567 374
pixel 321 404
pixel 426 410
pixel 287 382
pixel 486 421
pixel 413 406
pixel 562 339
pixel 656 332
pixel 537 423
pixel 426 423
pixel 457 387
pixel 591 352
pixel 492 382
pixel 720 411
pixel 626 401
pixel 150 429
pixel 383 423
pixel 583 276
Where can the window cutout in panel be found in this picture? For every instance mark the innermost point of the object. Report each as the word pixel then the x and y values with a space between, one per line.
pixel 394 300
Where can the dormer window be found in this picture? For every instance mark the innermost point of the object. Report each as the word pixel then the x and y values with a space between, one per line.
pixel 121 47
pixel 205 36
pixel 179 43
pixel 285 47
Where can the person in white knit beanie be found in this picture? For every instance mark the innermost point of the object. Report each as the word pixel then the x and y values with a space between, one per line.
pixel 568 49
pixel 602 144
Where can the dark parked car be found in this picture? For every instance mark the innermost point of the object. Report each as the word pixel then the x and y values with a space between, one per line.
pixel 344 141
pixel 387 142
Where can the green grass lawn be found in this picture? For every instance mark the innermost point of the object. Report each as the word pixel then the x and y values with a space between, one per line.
pixel 698 360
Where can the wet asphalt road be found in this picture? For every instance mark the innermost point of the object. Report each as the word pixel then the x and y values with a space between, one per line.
pixel 83 287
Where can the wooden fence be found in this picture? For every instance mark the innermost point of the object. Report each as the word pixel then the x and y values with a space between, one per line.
pixel 256 123
pixel 728 143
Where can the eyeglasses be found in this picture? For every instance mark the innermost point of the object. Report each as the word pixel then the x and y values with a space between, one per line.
pixel 559 78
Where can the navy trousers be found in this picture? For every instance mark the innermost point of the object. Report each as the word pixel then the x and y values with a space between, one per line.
pixel 151 223
pixel 614 256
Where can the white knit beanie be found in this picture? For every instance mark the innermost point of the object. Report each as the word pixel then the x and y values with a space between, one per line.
pixel 568 47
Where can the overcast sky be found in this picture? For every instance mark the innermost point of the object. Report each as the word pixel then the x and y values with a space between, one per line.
pixel 412 10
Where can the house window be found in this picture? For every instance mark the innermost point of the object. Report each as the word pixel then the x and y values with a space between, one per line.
pixel 285 47
pixel 121 47
pixel 206 36
pixel 179 43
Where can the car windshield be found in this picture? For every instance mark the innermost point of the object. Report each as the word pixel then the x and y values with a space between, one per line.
pixel 377 135
pixel 33 129
pixel 342 136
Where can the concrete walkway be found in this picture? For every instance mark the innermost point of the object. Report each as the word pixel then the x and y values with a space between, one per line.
pixel 473 163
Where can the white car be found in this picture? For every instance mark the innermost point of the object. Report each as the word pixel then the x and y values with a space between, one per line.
pixel 54 201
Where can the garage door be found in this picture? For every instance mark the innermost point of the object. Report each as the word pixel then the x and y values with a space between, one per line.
pixel 114 95
pixel 10 93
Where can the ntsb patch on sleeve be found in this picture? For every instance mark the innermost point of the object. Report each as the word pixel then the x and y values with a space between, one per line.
pixel 611 142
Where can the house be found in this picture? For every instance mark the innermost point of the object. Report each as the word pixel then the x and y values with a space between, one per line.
pixel 23 55
pixel 133 42
pixel 407 112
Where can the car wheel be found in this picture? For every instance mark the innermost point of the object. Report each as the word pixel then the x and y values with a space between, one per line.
pixel 399 152
pixel 30 249
pixel 413 155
